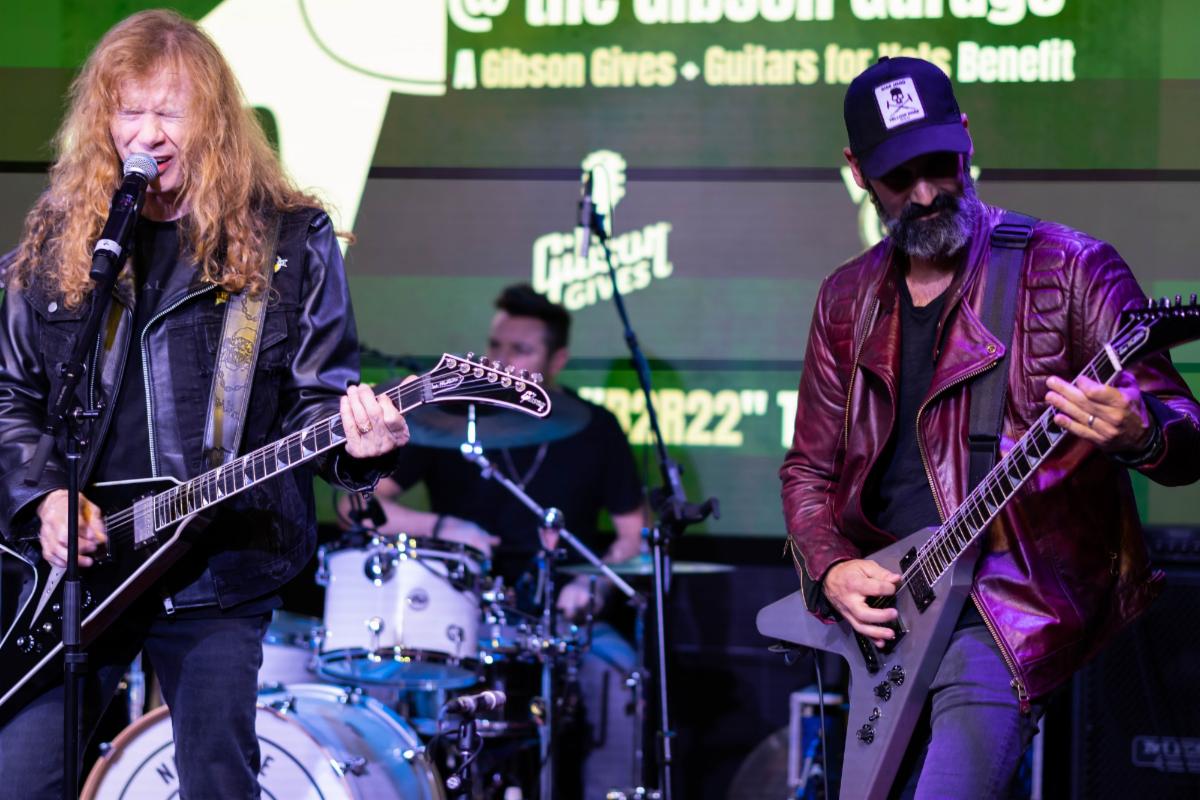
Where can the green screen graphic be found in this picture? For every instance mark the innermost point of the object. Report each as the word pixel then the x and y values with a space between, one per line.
pixel 450 136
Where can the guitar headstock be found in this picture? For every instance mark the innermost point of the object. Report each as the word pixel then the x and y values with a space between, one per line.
pixel 487 382
pixel 1157 326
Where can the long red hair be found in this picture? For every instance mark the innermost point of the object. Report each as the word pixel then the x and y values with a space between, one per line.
pixel 231 175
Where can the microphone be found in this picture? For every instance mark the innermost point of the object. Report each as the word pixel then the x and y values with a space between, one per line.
pixel 583 222
pixel 374 511
pixel 109 253
pixel 470 704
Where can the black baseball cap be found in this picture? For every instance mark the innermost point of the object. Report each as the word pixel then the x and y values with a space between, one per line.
pixel 900 108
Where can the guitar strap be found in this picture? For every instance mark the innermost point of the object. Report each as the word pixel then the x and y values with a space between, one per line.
pixel 233 374
pixel 988 393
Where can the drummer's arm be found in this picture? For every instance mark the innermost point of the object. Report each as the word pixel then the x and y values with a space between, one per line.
pixel 576 595
pixel 400 518
pixel 629 536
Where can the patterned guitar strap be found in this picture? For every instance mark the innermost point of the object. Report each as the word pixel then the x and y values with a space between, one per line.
pixel 233 374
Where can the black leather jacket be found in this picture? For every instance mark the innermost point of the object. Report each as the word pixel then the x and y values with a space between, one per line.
pixel 308 356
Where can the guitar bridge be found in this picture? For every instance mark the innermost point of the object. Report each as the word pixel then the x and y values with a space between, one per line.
pixel 872 654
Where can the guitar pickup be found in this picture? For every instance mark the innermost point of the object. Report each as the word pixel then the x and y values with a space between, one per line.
pixel 922 593
pixel 145 531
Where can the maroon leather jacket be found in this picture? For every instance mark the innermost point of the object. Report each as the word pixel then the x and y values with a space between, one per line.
pixel 1065 565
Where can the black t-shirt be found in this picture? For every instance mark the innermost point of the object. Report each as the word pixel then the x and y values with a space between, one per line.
pixel 580 475
pixel 125 453
pixel 902 500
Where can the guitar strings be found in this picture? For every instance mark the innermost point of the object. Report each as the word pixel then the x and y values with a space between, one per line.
pixel 940 548
pixel 266 459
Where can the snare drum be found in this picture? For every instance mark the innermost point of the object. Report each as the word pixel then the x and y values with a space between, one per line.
pixel 316 741
pixel 402 612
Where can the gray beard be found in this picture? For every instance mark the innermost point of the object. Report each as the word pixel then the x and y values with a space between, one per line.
pixel 941 236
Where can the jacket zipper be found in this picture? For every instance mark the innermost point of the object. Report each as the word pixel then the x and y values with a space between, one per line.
pixel 1016 683
pixel 146 373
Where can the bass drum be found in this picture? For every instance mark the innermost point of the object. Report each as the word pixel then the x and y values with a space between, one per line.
pixel 316 742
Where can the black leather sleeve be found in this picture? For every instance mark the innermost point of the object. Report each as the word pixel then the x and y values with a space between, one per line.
pixel 26 351
pixel 326 355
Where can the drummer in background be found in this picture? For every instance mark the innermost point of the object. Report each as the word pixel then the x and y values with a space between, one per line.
pixel 583 474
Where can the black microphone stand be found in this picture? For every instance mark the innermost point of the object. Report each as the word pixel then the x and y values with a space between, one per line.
pixel 671 507
pixel 65 411
pixel 469 743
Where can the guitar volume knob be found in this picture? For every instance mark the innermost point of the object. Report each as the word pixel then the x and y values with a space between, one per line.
pixel 865 734
pixel 896 675
pixel 884 691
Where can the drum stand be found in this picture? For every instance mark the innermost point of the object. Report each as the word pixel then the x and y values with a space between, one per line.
pixel 551 519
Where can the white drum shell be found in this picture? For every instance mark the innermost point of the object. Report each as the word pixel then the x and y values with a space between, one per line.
pixel 417 625
pixel 289 650
pixel 317 742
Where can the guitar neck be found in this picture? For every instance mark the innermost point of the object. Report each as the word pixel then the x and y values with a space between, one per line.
pixel 983 504
pixel 203 491
pixel 453 379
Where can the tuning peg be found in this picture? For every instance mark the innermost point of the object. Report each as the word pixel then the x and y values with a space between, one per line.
pixel 498 365
pixel 524 374
pixel 1193 298
pixel 483 361
pixel 537 377
pixel 509 368
pixel 470 356
pixel 1178 300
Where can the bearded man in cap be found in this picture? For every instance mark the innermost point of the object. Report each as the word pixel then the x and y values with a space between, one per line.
pixel 881 450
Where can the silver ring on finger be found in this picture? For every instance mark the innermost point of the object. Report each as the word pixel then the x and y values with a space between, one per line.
pixel 1091 419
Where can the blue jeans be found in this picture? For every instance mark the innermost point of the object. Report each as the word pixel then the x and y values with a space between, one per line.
pixel 976 733
pixel 208 669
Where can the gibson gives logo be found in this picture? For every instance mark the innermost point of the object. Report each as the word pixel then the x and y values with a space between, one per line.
pixel 639 256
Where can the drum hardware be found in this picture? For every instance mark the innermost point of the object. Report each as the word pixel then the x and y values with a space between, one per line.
pixel 375 626
pixel 545 641
pixel 355 766
pixel 378 569
pixel 285 704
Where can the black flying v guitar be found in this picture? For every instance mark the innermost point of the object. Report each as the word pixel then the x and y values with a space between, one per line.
pixel 888 687
pixel 163 517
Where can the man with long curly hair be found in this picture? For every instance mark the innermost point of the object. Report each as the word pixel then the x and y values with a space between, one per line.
pixel 220 219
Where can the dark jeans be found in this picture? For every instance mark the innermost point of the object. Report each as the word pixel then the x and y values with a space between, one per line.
pixel 208 668
pixel 976 733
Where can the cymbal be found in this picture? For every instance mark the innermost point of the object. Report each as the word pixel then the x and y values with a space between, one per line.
pixel 644 566
pixel 444 425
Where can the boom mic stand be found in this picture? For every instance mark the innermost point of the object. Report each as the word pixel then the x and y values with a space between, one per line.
pixel 65 411
pixel 551 518
pixel 670 503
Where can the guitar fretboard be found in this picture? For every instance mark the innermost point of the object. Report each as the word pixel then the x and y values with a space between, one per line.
pixel 984 502
pixel 453 379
